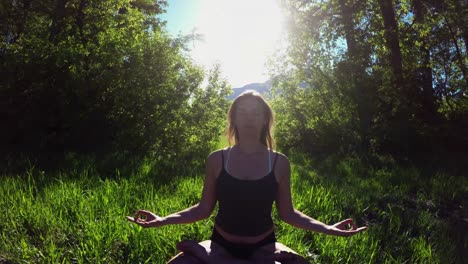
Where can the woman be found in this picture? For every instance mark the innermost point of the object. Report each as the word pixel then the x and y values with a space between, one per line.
pixel 245 179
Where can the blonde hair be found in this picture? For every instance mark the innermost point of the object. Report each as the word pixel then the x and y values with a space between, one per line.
pixel 265 136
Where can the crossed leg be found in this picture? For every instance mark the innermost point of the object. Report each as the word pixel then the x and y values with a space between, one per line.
pixel 279 253
pixel 207 252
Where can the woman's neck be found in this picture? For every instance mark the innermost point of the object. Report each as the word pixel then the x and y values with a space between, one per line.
pixel 250 146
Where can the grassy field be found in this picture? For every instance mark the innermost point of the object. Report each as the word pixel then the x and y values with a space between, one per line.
pixel 79 217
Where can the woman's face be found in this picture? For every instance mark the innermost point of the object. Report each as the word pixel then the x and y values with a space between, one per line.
pixel 249 116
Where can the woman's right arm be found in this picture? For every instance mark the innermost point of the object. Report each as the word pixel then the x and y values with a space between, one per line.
pixel 200 211
pixel 298 219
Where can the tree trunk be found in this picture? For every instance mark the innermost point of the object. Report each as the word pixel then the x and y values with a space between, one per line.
pixel 57 19
pixel 348 25
pixel 427 97
pixel 402 138
pixel 459 56
pixel 21 22
pixel 462 6
pixel 358 94
pixel 393 43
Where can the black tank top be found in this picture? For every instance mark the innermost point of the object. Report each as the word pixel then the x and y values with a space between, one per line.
pixel 245 205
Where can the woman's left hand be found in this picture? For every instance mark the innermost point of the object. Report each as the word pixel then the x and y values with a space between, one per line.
pixel 146 219
pixel 346 228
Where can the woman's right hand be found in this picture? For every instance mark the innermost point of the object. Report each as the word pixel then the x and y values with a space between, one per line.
pixel 346 228
pixel 146 219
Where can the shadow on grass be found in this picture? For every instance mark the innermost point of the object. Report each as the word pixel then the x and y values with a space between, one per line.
pixel 416 214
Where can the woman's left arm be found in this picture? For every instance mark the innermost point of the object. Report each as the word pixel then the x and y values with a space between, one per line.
pixel 298 219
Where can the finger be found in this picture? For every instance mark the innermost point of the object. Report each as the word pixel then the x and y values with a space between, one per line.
pixel 360 229
pixel 131 219
pixel 357 230
pixel 142 223
pixel 144 211
pixel 344 223
pixel 347 221
pixel 137 215
pixel 350 224
pixel 140 213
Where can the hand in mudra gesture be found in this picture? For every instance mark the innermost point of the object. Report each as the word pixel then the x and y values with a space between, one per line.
pixel 347 228
pixel 146 219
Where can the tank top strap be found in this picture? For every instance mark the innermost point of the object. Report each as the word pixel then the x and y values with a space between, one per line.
pixel 274 162
pixel 222 158
pixel 225 165
pixel 269 161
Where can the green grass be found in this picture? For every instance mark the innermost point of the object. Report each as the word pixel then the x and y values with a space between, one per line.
pixel 79 217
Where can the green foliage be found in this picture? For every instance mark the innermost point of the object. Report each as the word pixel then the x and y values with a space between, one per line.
pixel 207 115
pixel 372 77
pixel 102 79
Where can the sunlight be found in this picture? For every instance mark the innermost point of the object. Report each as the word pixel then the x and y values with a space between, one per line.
pixel 240 35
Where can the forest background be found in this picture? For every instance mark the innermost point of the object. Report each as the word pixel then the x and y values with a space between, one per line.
pixel 103 112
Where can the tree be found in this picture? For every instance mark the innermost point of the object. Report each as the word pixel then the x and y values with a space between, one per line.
pixel 98 78
pixel 390 73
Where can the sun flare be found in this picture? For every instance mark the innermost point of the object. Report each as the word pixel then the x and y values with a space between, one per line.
pixel 240 35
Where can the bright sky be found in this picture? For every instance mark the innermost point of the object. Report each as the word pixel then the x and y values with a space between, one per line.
pixel 239 34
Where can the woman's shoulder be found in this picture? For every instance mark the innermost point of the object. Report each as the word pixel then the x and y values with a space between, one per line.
pixel 280 156
pixel 217 155
pixel 218 152
pixel 281 162
pixel 214 162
